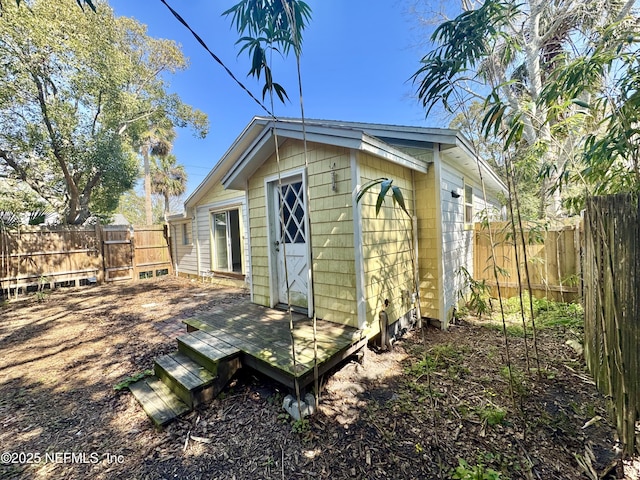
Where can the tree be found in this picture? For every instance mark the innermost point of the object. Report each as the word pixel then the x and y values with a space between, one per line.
pixel 599 90
pixel 269 25
pixel 157 141
pixel 502 53
pixel 168 179
pixel 78 90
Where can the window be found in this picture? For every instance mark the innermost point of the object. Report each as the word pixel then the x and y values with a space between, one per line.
pixel 185 234
pixel 468 204
pixel 227 251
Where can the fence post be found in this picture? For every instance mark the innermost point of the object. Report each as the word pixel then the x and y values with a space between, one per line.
pixel 99 254
pixel 135 276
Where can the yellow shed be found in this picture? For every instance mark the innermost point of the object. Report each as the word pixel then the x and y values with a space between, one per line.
pixel 270 217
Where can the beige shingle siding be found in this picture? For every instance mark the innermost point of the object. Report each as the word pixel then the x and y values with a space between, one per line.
pixel 427 243
pixel 386 238
pixel 331 227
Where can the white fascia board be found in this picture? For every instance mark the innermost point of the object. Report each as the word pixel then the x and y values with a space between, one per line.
pixel 177 217
pixel 383 150
pixel 234 178
pixel 494 179
pixel 226 161
pixel 340 137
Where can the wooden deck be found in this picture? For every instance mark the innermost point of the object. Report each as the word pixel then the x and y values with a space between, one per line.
pixel 263 336
pixel 219 342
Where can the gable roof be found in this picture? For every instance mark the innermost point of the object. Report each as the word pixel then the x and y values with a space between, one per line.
pixel 256 143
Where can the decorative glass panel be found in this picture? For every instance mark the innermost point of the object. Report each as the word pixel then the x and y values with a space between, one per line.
pixel 292 221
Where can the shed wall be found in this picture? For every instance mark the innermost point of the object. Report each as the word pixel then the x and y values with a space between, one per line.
pixel 331 227
pixel 428 258
pixel 457 237
pixel 386 242
pixel 184 254
pixel 216 199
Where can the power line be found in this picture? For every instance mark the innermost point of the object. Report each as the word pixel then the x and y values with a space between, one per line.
pixel 216 58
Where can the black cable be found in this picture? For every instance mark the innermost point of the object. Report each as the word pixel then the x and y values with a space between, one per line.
pixel 216 58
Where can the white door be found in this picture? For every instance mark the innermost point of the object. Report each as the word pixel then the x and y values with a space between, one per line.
pixel 291 239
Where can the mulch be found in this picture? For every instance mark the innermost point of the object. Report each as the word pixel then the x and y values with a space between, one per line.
pixel 387 417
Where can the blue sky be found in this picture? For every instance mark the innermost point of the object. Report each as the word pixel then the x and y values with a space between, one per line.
pixel 358 57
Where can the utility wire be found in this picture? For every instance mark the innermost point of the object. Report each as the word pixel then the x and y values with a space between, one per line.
pixel 216 58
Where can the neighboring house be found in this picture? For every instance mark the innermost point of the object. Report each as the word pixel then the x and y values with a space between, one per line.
pixel 361 262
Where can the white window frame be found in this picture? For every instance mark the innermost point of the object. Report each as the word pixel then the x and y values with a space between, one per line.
pixel 186 238
pixel 226 212
pixel 468 204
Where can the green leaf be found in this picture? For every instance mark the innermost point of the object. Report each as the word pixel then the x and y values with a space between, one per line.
pixel 366 187
pixel 385 185
pixel 399 198
pixel 580 103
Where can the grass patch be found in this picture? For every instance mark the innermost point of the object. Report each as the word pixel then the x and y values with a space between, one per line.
pixel 132 379
pixel 438 358
pixel 492 415
pixel 549 316
pixel 464 471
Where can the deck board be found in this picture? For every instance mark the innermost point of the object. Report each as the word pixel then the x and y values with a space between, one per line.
pixel 263 336
pixel 157 400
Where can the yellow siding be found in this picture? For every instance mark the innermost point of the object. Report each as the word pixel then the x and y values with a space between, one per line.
pixel 386 244
pixel 218 194
pixel 331 228
pixel 427 243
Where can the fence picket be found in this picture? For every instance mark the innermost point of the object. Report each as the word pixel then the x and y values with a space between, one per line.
pixel 40 256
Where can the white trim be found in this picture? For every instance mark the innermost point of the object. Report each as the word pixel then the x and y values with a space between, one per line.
pixel 260 148
pixel 212 239
pixel 361 304
pixel 194 224
pixel 268 204
pixel 230 203
pixel 437 173
pixel 307 226
pixel 248 277
pixel 247 155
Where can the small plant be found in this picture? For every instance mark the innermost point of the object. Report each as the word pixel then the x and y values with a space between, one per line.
pixel 132 379
pixel 440 357
pixel 492 415
pixel 477 299
pixel 301 426
pixel 41 294
pixel 517 378
pixel 464 471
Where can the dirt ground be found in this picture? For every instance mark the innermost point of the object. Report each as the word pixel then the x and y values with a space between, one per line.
pixel 422 411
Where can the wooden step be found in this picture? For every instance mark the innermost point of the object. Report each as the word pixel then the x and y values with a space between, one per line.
pixel 189 380
pixel 157 400
pixel 206 349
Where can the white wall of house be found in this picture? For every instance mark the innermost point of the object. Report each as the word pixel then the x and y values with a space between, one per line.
pixel 204 225
pixel 457 231
pixel 184 247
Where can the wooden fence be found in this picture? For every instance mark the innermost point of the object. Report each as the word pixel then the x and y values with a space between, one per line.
pixel 611 307
pixel 553 254
pixel 36 257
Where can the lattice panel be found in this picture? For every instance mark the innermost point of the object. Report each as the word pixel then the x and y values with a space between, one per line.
pixel 292 228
